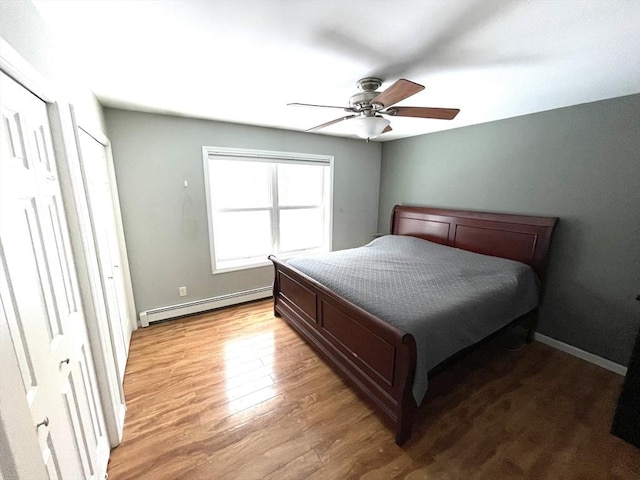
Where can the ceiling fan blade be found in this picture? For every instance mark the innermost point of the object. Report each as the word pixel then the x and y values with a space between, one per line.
pixel 337 120
pixel 387 129
pixel 398 91
pixel 313 105
pixel 423 112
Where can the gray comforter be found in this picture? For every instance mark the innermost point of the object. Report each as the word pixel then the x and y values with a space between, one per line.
pixel 447 298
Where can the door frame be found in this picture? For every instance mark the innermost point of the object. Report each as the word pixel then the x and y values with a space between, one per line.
pixel 76 210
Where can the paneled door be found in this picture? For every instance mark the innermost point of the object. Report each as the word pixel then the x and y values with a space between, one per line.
pixel 96 175
pixel 40 296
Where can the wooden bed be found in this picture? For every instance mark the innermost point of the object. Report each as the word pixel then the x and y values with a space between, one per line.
pixel 377 358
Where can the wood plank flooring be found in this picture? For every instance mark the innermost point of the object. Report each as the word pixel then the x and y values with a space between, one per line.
pixel 236 394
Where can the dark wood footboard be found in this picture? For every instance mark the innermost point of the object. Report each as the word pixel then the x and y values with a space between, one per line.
pixel 375 357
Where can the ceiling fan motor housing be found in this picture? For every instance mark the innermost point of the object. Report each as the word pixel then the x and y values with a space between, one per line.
pixel 361 101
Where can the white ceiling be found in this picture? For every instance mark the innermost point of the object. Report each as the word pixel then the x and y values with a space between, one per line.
pixel 243 61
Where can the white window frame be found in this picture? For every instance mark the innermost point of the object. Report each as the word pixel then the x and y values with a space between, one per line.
pixel 243 154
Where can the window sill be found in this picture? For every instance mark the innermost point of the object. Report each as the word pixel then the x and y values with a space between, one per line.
pixel 252 263
pixel 237 267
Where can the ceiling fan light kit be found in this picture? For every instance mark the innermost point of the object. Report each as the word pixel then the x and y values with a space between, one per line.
pixel 370 127
pixel 368 106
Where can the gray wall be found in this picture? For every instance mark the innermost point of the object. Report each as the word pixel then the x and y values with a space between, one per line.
pixel 166 225
pixel 581 164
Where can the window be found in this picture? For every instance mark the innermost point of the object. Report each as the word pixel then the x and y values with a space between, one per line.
pixel 262 203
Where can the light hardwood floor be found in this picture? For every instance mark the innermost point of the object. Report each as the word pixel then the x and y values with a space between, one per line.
pixel 236 394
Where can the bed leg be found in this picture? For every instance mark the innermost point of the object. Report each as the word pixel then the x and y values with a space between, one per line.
pixel 276 313
pixel 407 405
pixel 275 291
pixel 403 431
pixel 532 326
pixel 405 416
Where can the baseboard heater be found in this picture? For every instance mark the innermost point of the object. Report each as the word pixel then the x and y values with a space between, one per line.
pixel 173 311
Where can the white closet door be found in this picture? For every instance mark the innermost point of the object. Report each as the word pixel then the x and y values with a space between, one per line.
pixel 95 167
pixel 40 296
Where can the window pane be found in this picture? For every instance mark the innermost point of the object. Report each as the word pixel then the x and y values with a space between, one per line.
pixel 242 235
pixel 237 184
pixel 301 229
pixel 300 184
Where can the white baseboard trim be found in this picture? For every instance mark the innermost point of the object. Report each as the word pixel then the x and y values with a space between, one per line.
pixel 576 352
pixel 172 311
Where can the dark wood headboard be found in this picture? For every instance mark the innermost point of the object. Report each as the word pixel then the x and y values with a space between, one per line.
pixel 516 237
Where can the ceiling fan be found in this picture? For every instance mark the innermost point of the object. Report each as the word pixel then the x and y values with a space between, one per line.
pixel 368 106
